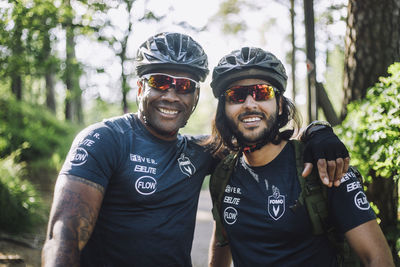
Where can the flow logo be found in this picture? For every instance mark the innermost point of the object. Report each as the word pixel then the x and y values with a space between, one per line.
pixel 361 201
pixel 146 185
pixel 79 157
pixel 230 215
pixel 186 165
pixel 276 204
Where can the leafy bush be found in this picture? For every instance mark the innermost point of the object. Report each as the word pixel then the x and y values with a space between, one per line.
pixel 21 208
pixel 46 140
pixel 372 128
pixel 372 133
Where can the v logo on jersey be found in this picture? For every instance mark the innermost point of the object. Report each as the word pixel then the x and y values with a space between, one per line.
pixel 275 210
pixel 187 169
pixel 276 204
pixel 186 165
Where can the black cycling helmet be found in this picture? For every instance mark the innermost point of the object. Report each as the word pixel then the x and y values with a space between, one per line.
pixel 172 50
pixel 248 62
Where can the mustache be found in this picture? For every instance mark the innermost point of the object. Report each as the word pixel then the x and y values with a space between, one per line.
pixel 250 113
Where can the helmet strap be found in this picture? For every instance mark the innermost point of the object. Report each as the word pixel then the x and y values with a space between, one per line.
pixel 252 148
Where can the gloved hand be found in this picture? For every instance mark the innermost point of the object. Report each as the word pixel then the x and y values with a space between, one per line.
pixel 325 149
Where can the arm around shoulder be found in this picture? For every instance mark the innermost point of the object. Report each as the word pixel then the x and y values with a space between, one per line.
pixel 73 215
pixel 370 244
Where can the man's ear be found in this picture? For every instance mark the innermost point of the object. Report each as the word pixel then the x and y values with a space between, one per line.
pixel 196 99
pixel 140 88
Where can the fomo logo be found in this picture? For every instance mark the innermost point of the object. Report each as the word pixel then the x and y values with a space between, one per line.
pixel 186 165
pixel 230 215
pixel 79 157
pixel 276 204
pixel 146 185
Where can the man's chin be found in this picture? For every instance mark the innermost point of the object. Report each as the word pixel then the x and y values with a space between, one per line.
pixel 252 140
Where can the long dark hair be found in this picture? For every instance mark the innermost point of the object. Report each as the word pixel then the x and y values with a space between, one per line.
pixel 222 137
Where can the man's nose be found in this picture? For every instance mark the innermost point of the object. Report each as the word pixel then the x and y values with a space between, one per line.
pixel 170 94
pixel 249 102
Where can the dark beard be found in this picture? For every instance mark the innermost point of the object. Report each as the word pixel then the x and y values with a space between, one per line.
pixel 269 134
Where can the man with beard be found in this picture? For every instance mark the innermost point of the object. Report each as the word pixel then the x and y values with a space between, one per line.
pixel 258 216
pixel 127 194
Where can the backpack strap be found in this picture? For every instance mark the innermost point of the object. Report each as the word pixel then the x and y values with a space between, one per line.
pixel 313 193
pixel 218 181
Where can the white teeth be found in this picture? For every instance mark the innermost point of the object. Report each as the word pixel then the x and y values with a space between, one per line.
pixel 251 119
pixel 168 111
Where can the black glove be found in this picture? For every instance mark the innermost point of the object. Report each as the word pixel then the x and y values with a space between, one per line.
pixel 323 144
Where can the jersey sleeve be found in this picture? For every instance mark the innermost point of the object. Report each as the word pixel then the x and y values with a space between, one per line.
pixel 94 154
pixel 349 206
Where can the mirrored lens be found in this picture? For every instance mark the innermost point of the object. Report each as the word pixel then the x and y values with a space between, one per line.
pixel 263 92
pixel 160 82
pixel 164 82
pixel 184 85
pixel 260 92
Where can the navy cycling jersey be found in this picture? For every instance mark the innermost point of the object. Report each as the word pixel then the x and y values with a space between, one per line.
pixel 152 186
pixel 263 229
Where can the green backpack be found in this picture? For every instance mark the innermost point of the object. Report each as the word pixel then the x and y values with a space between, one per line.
pixel 313 195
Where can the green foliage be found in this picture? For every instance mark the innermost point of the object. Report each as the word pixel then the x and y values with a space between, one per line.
pixel 21 208
pixel 100 109
pixel 372 128
pixel 372 133
pixel 37 132
pixel 230 7
pixel 228 14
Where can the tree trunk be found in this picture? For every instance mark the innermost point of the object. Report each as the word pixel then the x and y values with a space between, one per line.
pixel 17 67
pixel 69 111
pixel 16 86
pixel 372 44
pixel 49 73
pixel 73 104
pixel 293 40
pixel 50 96
pixel 326 105
pixel 310 53
pixel 124 58
pixel 124 77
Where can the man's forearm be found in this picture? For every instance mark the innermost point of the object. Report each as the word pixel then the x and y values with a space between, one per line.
pixel 72 219
pixel 60 253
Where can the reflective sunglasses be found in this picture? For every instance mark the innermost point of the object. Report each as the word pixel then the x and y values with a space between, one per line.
pixel 163 82
pixel 260 92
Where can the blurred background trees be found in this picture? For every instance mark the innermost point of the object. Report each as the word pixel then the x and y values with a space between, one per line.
pixel 67 63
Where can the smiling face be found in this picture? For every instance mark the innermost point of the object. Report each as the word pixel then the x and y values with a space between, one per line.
pixel 251 121
pixel 164 112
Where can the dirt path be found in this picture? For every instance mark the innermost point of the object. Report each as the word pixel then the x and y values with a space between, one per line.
pixel 203 231
pixel 19 252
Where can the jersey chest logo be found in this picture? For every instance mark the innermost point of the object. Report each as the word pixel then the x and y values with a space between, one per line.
pixel 186 165
pixel 276 204
pixel 146 185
